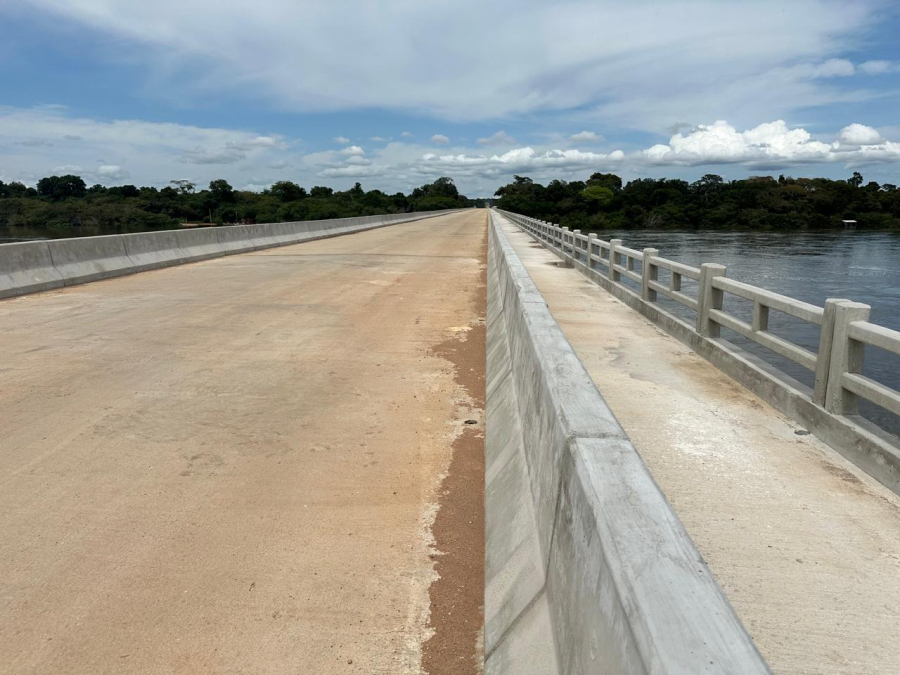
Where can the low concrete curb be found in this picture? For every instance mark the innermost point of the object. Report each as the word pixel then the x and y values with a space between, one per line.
pixel 587 568
pixel 34 266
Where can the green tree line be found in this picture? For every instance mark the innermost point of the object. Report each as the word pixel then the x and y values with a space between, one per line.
pixel 602 202
pixel 63 206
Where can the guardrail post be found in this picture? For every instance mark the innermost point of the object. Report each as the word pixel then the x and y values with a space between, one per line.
pixel 709 298
pixel 576 245
pixel 590 250
pixel 566 236
pixel 649 272
pixel 760 318
pixel 675 282
pixel 846 357
pixel 613 245
pixel 823 359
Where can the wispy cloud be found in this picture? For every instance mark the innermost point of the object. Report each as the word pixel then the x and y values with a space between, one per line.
pixel 620 62
pixel 440 139
pixel 499 138
pixel 149 152
pixel 879 67
pixel 586 137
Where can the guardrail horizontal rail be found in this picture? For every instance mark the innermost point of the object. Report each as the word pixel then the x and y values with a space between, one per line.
pixel 844 329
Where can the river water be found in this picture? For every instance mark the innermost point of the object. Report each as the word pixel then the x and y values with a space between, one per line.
pixel 808 266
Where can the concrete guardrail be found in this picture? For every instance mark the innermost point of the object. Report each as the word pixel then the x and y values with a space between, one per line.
pixel 34 266
pixel 829 409
pixel 587 568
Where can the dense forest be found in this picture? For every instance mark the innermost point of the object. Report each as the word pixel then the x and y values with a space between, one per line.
pixel 763 202
pixel 64 206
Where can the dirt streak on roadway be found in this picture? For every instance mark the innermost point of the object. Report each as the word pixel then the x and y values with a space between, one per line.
pixel 233 466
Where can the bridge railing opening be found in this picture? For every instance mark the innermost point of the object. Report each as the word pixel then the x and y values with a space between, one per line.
pixel 841 328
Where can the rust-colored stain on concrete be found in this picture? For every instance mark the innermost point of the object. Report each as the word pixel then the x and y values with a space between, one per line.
pixel 457 596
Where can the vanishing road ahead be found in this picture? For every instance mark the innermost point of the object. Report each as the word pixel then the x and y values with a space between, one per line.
pixel 234 466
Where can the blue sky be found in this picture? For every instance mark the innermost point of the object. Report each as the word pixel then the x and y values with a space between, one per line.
pixel 396 93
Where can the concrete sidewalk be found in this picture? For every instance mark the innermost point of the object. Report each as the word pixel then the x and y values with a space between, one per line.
pixel 233 466
pixel 805 545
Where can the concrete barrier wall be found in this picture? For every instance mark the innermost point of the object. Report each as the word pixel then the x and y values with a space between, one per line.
pixel 30 267
pixel 152 250
pixel 27 268
pixel 587 568
pixel 236 239
pixel 85 259
pixel 200 244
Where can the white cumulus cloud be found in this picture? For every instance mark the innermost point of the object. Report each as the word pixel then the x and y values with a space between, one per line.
pixel 721 143
pixel 860 134
pixel 440 139
pixel 341 140
pixel 767 146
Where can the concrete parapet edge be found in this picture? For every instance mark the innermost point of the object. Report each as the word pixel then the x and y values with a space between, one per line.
pixel 35 266
pixel 591 559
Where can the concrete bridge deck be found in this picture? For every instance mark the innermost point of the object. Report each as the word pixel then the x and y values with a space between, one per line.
pixel 233 466
pixel 806 546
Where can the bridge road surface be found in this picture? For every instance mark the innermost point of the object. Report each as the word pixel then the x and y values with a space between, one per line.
pixel 805 545
pixel 232 466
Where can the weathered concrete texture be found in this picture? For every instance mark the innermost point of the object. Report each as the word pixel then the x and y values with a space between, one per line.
pixel 31 267
pixel 806 545
pixel 86 259
pixel 231 467
pixel 237 238
pixel 199 244
pixel 27 268
pixel 596 568
pixel 152 250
